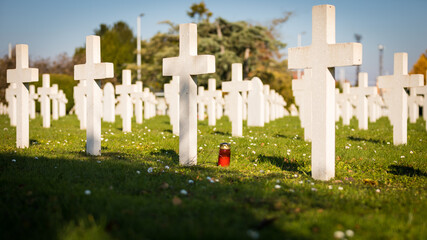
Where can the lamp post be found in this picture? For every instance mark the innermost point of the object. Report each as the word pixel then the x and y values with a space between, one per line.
pixel 381 49
pixel 358 37
pixel 299 45
pixel 138 46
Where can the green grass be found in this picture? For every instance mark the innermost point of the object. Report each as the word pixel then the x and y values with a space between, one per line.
pixel 379 191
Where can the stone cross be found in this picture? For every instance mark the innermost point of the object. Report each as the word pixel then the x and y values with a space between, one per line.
pixel 414 103
pixel 266 90
pixel 201 103
pixel 11 101
pixel 80 101
pixel 423 91
pixel 44 99
pixel 33 97
pixel 186 66
pixel 346 99
pixel 256 104
pixel 273 105
pixel 22 75
pixel 147 103
pixel 91 70
pixel 210 96
pixel 322 56
pixel 172 99
pixel 54 96
pixel 304 85
pixel 375 102
pixel 127 108
pixel 220 102
pixel 62 103
pixel 337 105
pixel 234 87
pixel 293 110
pixel 361 101
pixel 399 99
pixel 138 96
pixel 152 106
pixel 109 103
pixel 245 105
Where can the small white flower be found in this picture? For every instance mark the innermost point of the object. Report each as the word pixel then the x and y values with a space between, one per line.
pixel 378 190
pixel 330 187
pixel 166 167
pixel 314 189
pixel 150 170
pixel 296 175
pixel 402 156
pixel 388 143
pixel 88 192
pixel 253 234
pixel 312 183
pixel 411 152
pixel 190 181
pixel 301 182
pixel 98 161
pixel 277 186
pixel 13 160
pixel 339 234
pixel 303 154
pixel 36 158
pixel 291 190
pixel 253 152
pixel 255 164
pixel 138 172
pixel 183 192
pixel 340 188
pixel 349 233
pixel 277 181
pixel 200 148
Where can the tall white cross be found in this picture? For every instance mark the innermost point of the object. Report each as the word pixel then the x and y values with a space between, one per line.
pixel 414 103
pixel 125 90
pixel 172 99
pixel 11 101
pixel 22 75
pixel 322 56
pixel 33 97
pixel 304 85
pixel 44 91
pixel 186 65
pixel 399 99
pixel 361 101
pixel 234 87
pixel 91 70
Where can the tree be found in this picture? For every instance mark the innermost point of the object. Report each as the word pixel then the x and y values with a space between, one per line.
pixel 420 67
pixel 200 10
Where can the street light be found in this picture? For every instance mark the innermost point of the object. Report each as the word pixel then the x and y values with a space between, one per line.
pixel 299 45
pixel 381 49
pixel 138 46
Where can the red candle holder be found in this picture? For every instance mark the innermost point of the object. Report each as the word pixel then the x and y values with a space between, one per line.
pixel 224 155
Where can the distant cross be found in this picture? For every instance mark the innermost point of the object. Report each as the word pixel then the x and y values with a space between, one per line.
pixel 322 56
pixel 423 91
pixel 219 104
pixel 361 101
pixel 11 101
pixel 33 97
pixel 80 103
pixel 44 91
pixel 125 90
pixel 234 87
pixel 256 104
pixel 374 105
pixel 138 96
pixel 91 70
pixel 62 103
pixel 266 89
pixel 172 99
pixel 398 97
pixel 55 103
pixel 22 75
pixel 201 103
pixel 109 103
pixel 210 96
pixel 346 100
pixel 304 86
pixel 414 103
pixel 147 103
pixel 186 65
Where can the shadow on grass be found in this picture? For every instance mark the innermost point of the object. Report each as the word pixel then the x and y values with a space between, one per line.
pixel 167 130
pixel 405 170
pixel 353 138
pixel 222 133
pixel 288 137
pixel 283 163
pixel 170 153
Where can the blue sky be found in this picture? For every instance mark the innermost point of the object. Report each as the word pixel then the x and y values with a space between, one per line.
pixel 52 27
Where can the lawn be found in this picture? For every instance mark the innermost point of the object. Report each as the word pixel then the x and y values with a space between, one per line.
pixel 137 190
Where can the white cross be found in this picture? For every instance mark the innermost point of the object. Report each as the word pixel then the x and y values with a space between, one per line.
pixel 91 70
pixel 346 99
pixel 147 103
pixel 80 103
pixel 172 99
pixel 125 90
pixel 11 101
pixel 375 102
pixel 210 96
pixel 423 90
pixel 361 101
pixel 219 101
pixel 414 102
pixel 266 89
pixel 201 100
pixel 256 103
pixel 186 65
pixel 22 75
pixel 33 96
pixel 44 99
pixel 109 103
pixel 399 99
pixel 138 96
pixel 304 85
pixel 234 87
pixel 54 96
pixel 62 103
pixel 322 55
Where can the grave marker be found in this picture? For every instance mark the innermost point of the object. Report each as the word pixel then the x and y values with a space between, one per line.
pixel 414 102
pixel 138 96
pixel 304 85
pixel 210 96
pixel 125 90
pixel 62 103
pixel 398 106
pixel 109 103
pixel 423 90
pixel 172 99
pixel 22 75
pixel 54 96
pixel 234 87
pixel 266 89
pixel 44 99
pixel 322 56
pixel 187 65
pixel 201 103
pixel 80 101
pixel 11 101
pixel 91 70
pixel 256 103
pixel 33 96
pixel 361 101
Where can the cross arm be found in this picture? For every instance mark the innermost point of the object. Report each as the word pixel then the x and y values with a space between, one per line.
pixel 344 54
pixel 299 57
pixel 22 75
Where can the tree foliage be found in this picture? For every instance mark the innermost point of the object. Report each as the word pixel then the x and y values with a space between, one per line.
pixel 200 11
pixel 420 67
